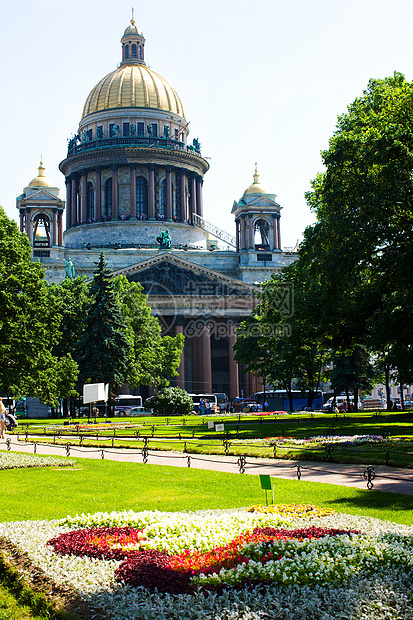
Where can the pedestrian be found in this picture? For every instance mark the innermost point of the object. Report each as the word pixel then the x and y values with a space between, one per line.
pixel 2 419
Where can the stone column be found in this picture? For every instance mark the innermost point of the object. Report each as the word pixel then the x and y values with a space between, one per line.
pixel 28 223
pixel 183 198
pixel 278 233
pixel 179 329
pixel 199 203
pixel 192 203
pixel 21 213
pixel 68 203
pixel 98 213
pixel 60 228
pixel 237 235
pixel 54 241
pixel 168 214
pixel 233 366
pixel 115 192
pixel 243 239
pixel 151 193
pixel 133 192
pixel 206 377
pixel 74 202
pixel 250 233
pixel 83 199
pixel 274 233
pixel 195 363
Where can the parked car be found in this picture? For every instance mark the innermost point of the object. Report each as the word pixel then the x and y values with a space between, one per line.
pixel 139 411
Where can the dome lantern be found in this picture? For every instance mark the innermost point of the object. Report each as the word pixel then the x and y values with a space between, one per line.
pixel 133 45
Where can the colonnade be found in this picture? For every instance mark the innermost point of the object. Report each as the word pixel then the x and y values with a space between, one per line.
pixel 187 191
pixel 200 367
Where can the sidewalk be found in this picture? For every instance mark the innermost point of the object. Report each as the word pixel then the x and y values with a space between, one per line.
pixel 386 478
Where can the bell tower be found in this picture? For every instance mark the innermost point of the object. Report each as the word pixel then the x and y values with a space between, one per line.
pixel 257 220
pixel 41 215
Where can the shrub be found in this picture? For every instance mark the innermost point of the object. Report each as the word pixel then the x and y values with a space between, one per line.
pixel 170 401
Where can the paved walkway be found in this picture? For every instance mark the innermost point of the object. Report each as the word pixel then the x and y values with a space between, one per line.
pixel 386 478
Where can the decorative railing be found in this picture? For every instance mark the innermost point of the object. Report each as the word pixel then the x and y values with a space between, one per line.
pixel 76 147
pixel 213 230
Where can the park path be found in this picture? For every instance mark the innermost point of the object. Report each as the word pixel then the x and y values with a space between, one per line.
pixel 386 478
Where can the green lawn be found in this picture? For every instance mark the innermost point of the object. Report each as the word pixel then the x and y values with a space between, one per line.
pixel 191 434
pixel 95 486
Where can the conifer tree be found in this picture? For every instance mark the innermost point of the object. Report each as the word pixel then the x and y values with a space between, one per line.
pixel 104 351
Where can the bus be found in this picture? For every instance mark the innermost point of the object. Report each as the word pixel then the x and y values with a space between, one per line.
pixel 125 402
pixel 278 400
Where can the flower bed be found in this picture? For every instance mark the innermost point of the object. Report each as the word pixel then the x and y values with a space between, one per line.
pixel 293 561
pixel 11 460
pixel 321 440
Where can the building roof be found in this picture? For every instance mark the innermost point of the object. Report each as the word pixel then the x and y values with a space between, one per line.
pixel 133 86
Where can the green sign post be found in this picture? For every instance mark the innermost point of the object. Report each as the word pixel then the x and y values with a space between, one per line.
pixel 265 480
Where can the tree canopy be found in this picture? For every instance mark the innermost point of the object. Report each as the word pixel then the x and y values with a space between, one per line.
pixel 30 319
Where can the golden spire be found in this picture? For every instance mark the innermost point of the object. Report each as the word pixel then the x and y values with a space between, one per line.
pixel 256 175
pixel 41 170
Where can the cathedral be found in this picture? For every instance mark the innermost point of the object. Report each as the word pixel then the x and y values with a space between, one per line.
pixel 134 182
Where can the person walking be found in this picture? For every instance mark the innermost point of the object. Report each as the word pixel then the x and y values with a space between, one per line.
pixel 2 419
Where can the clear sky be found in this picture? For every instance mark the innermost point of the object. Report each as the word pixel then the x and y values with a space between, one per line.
pixel 260 81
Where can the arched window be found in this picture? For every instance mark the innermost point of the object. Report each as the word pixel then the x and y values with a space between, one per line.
pixel 41 231
pixel 141 197
pixel 162 202
pixel 134 50
pixel 126 51
pixel 90 202
pixel 108 198
pixel 262 237
pixel 140 53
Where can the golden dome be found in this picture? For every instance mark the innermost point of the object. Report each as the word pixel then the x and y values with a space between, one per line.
pixel 40 180
pixel 133 86
pixel 256 187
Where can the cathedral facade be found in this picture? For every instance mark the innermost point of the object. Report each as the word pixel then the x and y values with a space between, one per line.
pixel 134 184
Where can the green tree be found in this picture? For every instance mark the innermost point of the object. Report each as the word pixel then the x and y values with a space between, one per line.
pixel 361 246
pixel 170 401
pixel 74 299
pixel 104 352
pixel 30 319
pixel 155 358
pixel 352 372
pixel 281 340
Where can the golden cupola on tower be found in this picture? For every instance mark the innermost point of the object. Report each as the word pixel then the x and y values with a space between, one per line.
pixel 129 161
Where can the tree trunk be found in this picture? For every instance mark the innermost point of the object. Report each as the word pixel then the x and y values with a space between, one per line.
pixel 401 396
pixel 387 385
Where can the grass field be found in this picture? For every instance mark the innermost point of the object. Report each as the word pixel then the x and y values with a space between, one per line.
pixel 94 486
pixel 191 434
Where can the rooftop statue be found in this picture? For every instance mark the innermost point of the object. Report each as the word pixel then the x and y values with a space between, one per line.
pixel 164 240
